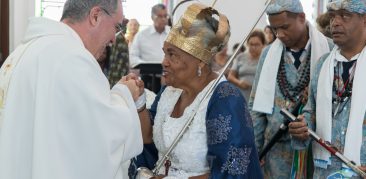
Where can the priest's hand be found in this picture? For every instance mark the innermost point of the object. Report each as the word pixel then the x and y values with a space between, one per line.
pixel 139 82
pixel 132 86
pixel 299 128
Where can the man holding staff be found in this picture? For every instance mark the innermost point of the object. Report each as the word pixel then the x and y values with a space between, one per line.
pixel 337 103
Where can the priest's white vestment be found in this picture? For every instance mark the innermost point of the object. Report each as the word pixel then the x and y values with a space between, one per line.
pixel 60 120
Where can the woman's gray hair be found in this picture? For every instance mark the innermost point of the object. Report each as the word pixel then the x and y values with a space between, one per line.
pixel 211 24
pixel 77 10
pixel 201 32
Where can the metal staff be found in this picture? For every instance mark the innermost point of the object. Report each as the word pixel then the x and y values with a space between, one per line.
pixel 281 131
pixel 331 149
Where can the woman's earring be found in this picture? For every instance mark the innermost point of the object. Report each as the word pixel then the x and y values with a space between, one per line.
pixel 199 71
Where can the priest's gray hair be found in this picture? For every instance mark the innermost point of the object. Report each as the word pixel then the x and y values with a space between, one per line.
pixel 77 10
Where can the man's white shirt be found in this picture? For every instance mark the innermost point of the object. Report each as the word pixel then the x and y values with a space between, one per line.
pixel 147 47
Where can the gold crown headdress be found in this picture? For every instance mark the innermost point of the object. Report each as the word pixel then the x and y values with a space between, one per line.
pixel 194 34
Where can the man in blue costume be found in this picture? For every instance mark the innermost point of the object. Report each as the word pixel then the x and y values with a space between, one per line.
pixel 282 79
pixel 337 103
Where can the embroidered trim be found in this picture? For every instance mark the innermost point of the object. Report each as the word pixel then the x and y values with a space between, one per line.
pixel 237 161
pixel 342 90
pixel 228 90
pixel 218 129
pixel 248 118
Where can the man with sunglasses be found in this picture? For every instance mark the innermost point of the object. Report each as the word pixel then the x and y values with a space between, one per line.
pixel 58 117
pixel 336 109
pixel 281 81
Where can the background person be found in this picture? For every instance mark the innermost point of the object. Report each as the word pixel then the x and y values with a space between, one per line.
pixel 146 48
pixel 270 35
pixel 132 29
pixel 323 22
pixel 245 65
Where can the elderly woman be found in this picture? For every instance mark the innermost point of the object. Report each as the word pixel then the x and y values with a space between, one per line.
pixel 220 141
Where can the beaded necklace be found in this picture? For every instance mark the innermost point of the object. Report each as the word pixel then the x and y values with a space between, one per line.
pixel 343 90
pixel 293 93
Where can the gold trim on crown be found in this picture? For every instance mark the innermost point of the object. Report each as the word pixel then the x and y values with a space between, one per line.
pixel 196 44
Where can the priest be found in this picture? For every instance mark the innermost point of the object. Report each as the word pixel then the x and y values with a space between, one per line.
pixel 58 117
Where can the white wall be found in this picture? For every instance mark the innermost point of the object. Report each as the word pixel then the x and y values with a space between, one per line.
pixel 242 15
pixel 309 9
pixel 140 10
pixel 19 12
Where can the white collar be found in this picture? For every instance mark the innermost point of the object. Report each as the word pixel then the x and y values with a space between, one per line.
pixel 340 58
pixel 153 30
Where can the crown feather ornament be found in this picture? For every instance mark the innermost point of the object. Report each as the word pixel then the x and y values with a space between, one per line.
pixel 199 33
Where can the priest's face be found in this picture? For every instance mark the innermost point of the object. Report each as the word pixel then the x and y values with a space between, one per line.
pixel 179 67
pixel 105 29
pixel 347 28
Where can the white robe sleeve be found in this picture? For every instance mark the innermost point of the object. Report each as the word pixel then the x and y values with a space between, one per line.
pixel 99 128
pixel 61 120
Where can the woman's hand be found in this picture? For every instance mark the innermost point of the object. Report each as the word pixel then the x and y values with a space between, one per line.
pixel 132 86
pixel 139 82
